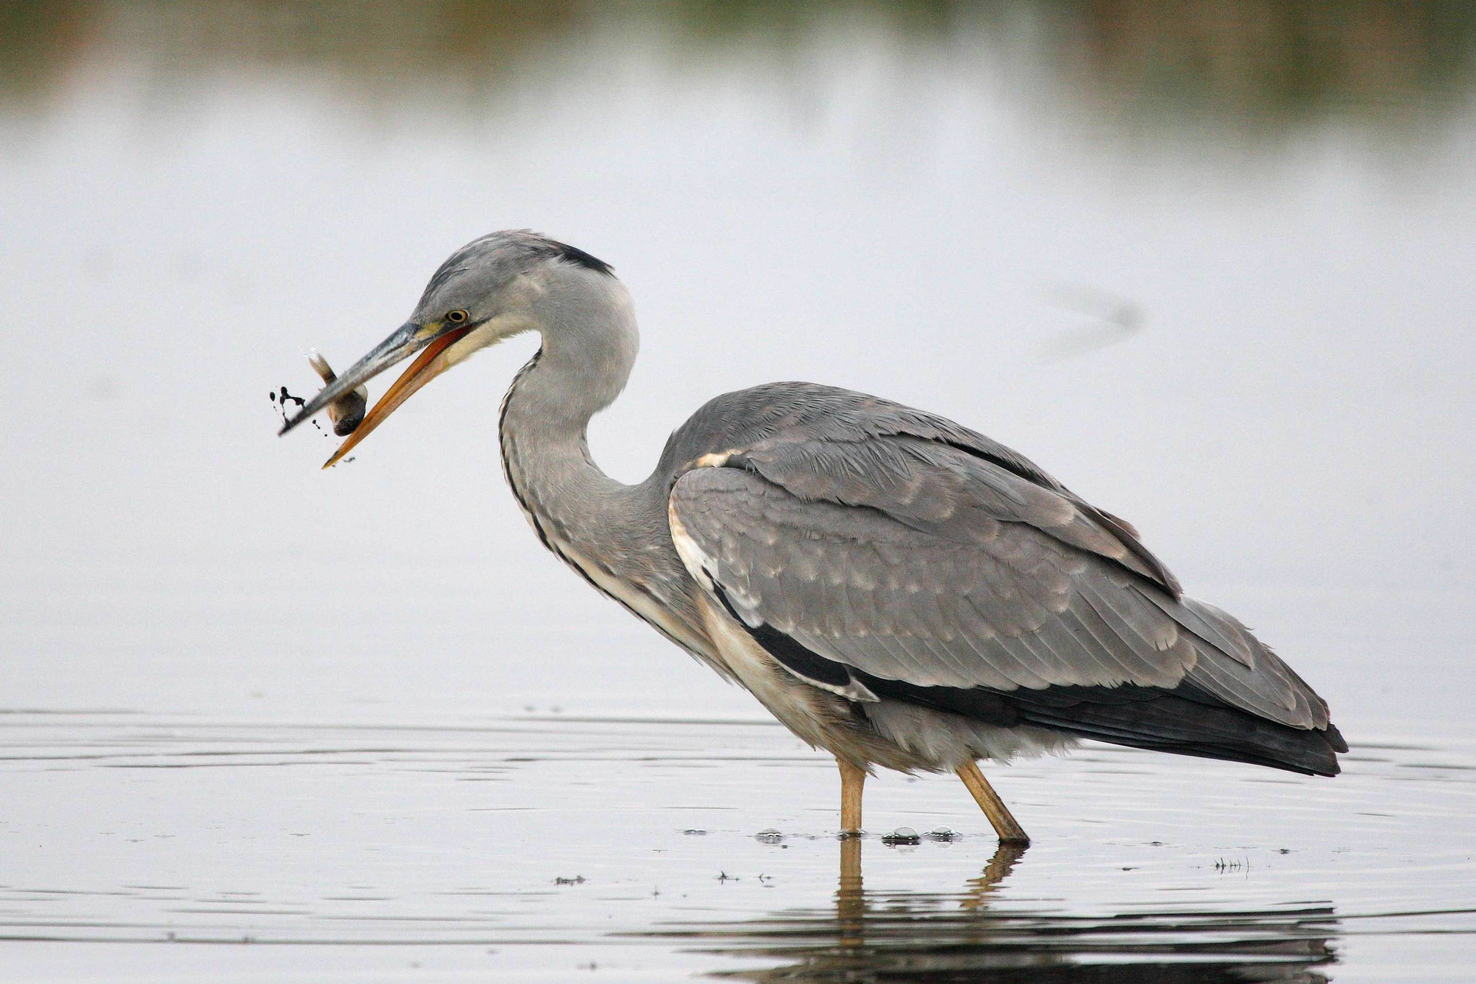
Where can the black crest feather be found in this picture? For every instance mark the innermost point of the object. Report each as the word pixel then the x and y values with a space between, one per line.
pixel 578 256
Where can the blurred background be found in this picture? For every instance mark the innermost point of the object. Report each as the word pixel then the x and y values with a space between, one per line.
pixel 1211 264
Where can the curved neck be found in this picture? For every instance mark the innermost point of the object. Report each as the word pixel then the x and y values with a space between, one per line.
pixel 589 347
pixel 615 535
pixel 590 343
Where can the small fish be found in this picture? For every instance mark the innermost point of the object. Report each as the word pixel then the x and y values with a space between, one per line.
pixel 346 412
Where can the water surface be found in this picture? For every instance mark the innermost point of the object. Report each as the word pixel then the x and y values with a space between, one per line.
pixel 542 845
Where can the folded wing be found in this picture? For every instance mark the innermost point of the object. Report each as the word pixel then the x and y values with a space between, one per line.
pixel 925 571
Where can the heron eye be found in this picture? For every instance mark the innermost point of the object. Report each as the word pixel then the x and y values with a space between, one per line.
pixel 456 317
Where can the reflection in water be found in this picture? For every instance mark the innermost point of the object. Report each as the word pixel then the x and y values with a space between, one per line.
pixel 1254 64
pixel 902 937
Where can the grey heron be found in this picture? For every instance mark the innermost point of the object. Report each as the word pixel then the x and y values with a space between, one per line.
pixel 895 588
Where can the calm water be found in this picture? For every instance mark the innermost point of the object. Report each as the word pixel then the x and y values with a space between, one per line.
pixel 1212 270
pixel 545 845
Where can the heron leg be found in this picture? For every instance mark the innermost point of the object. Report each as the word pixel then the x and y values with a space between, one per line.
pixel 853 779
pixel 1009 831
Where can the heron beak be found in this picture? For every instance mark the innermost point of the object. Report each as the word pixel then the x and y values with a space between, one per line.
pixel 430 364
pixel 407 340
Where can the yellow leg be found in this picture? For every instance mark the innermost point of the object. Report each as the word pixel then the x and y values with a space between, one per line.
pixel 1005 826
pixel 852 781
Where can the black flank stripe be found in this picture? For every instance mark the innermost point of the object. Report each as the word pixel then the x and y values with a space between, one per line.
pixel 1185 720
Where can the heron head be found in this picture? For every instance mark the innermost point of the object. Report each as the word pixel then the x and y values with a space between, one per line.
pixel 490 289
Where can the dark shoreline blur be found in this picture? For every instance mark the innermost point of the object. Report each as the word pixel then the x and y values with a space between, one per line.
pixel 1251 66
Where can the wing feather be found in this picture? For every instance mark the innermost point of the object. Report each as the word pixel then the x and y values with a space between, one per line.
pixel 854 561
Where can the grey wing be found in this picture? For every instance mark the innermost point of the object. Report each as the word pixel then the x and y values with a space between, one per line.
pixel 925 571
pixel 827 443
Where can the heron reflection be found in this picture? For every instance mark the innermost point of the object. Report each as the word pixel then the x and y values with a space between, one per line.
pixel 972 935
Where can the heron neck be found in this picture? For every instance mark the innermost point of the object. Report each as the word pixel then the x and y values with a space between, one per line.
pixel 615 535
pixel 545 446
pixel 543 430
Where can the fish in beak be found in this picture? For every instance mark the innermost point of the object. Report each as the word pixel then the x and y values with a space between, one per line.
pixel 431 341
pixel 346 412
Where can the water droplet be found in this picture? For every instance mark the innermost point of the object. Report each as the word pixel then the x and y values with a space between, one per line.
pixel 946 834
pixel 768 836
pixel 694 832
pixel 902 835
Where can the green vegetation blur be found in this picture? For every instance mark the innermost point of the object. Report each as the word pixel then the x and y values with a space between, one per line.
pixel 1259 65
